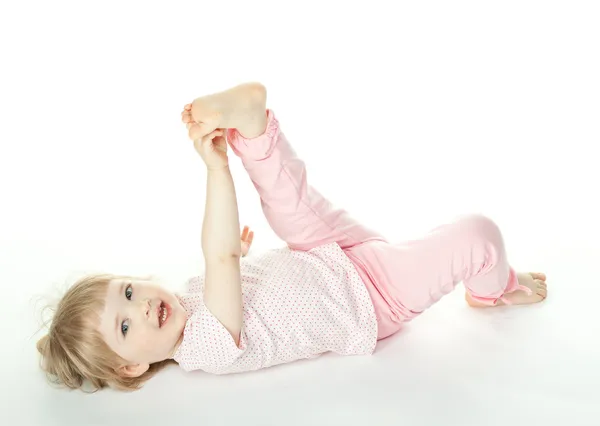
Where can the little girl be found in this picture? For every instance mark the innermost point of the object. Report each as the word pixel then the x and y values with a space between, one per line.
pixel 337 286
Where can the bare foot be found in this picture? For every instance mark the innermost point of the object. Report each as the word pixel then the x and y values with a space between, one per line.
pixel 242 107
pixel 536 282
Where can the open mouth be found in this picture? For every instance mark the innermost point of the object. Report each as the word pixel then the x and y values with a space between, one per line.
pixel 163 312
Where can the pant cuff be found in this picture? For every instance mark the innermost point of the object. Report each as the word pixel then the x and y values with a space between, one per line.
pixel 512 286
pixel 257 148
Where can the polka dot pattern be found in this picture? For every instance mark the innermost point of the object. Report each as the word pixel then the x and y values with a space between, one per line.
pixel 297 305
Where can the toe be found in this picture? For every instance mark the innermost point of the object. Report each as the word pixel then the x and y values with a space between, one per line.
pixel 541 290
pixel 538 276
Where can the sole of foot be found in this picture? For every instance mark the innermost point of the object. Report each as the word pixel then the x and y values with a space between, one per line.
pixel 242 107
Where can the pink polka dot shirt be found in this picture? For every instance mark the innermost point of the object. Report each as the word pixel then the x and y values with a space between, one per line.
pixel 297 305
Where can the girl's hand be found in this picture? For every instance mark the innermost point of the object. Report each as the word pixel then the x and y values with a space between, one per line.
pixel 208 142
pixel 213 150
pixel 247 237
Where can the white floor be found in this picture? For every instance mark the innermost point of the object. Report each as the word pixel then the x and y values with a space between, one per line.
pixel 454 365
pixel 405 117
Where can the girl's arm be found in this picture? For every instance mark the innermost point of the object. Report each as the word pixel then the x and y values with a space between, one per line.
pixel 221 226
pixel 222 251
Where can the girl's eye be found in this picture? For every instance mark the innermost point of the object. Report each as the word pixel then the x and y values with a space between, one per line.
pixel 125 327
pixel 128 292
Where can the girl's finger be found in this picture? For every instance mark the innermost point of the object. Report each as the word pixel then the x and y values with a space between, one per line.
pixel 245 233
pixel 213 134
pixel 220 143
pixel 198 131
pixel 250 237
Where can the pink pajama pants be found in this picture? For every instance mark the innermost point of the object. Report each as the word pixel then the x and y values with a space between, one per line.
pixel 403 279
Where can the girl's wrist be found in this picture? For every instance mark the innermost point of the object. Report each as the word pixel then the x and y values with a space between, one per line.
pixel 217 168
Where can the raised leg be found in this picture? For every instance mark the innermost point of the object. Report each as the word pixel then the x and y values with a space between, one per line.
pixel 297 212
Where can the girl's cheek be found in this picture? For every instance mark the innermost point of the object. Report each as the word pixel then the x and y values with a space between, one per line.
pixel 144 340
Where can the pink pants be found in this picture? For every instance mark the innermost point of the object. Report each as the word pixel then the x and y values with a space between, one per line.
pixel 403 279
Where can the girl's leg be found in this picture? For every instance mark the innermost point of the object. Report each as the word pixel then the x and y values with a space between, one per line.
pixel 298 213
pixel 406 279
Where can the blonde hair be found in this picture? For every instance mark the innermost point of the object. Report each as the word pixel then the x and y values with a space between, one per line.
pixel 73 352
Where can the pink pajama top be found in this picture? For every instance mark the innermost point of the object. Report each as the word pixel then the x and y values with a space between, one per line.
pixel 296 304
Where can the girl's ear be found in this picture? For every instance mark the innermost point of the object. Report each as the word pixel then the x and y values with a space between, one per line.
pixel 134 370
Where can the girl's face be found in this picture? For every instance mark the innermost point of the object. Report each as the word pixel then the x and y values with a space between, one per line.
pixel 142 323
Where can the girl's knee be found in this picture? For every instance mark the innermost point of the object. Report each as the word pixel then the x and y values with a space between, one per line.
pixel 481 227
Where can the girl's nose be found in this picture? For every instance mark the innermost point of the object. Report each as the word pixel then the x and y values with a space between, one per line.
pixel 145 306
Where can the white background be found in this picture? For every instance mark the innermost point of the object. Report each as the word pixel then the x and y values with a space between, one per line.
pixel 406 113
